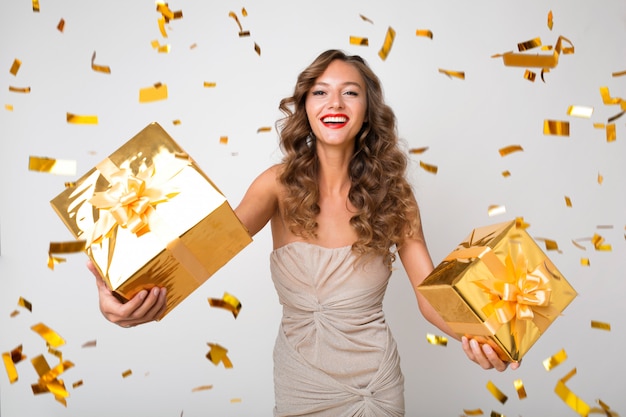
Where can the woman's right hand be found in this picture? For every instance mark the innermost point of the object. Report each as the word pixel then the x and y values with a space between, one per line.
pixel 144 307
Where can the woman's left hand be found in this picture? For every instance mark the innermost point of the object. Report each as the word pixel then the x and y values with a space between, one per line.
pixel 485 356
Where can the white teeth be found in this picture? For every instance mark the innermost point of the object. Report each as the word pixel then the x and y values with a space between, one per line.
pixel 334 120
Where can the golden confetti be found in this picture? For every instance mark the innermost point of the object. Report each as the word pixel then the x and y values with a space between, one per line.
pixel 22 302
pixel 545 62
pixel 598 125
pixel 519 387
pixel 244 12
pixel 52 166
pixel 449 73
pixel 429 168
pixel 475 412
pixel 157 92
pixel 81 119
pixel 202 388
pixel 530 75
pixel 605 409
pixel 193 46
pixel 495 209
pixel 496 392
pixel 580 111
pixel 550 20
pixel 161 22
pixel 585 262
pixel 162 49
pixel 99 68
pixel 127 373
pixel 8 107
pixel 235 400
pixel 49 335
pixel 611 136
pixel 600 178
pixel 23 90
pixel 600 325
pixel 355 40
pixel 568 201
pixel 48 381
pixel 73 246
pixel 91 343
pixel 436 340
pixel 604 226
pixel 555 127
pixel 242 33
pixel 77 384
pixel 607 99
pixel 10 368
pixel 521 224
pixel 598 243
pixel 217 354
pixel 386 48
pixel 257 49
pixel 525 46
pixel 228 302
pixel 366 19
pixel 494 414
pixel 15 67
pixel 264 129
pixel 223 140
pixel 555 360
pixel 424 32
pixel 510 149
pixel 550 244
pixel 569 398
pixel 617 116
pixel 506 174
pixel 14 313
pixel 209 84
pixel 543 71
pixel 618 74
pixel 61 25
pixel 35 5
pixel 416 151
pixel 176 122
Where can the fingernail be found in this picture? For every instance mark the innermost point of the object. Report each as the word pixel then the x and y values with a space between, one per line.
pixel 142 295
pixel 487 349
pixel 155 291
pixel 473 343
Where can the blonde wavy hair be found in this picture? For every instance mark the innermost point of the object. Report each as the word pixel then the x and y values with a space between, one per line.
pixel 386 210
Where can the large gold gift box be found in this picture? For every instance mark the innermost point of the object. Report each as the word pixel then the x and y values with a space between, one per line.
pixel 150 217
pixel 499 287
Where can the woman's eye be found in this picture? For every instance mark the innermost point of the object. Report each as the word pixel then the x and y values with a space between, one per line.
pixel 317 93
pixel 351 93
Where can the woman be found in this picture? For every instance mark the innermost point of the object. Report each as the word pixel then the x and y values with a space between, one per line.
pixel 340 208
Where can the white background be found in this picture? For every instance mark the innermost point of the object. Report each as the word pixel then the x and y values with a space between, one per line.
pixel 462 122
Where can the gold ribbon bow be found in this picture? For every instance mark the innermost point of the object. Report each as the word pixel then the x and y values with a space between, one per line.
pixel 128 202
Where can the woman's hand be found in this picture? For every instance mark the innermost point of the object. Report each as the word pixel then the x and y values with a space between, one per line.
pixel 485 356
pixel 144 307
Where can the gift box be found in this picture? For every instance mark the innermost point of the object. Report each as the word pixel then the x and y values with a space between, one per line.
pixel 150 217
pixel 500 288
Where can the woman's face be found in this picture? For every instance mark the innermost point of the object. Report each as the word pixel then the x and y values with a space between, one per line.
pixel 336 104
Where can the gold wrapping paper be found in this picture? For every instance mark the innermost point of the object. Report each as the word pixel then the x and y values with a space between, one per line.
pixel 499 287
pixel 176 231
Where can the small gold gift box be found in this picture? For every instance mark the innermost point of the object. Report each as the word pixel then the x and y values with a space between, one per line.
pixel 500 288
pixel 150 217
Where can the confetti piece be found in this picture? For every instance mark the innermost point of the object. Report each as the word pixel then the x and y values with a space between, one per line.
pixel 22 302
pixel 519 387
pixel 77 384
pixel 521 224
pixel 127 373
pixel 510 149
pixel 585 262
pixel 8 107
pixel 217 354
pixel 555 127
pixel 242 33
pixel 506 174
pixel 193 46
pixel 257 49
pixel 61 25
pixel 10 368
pixel 161 22
pixel 244 12
pixel 525 46
pixel 386 48
pixel 600 325
pixel 52 166
pixel 611 136
pixel 550 244
pixel 157 92
pixel 176 122
pixel 580 111
pixel 512 59
pixel 606 97
pixel 91 343
pixel 223 140
pixel 598 243
pixel 162 49
pixel 494 414
pixel 416 151
pixel 605 409
pixel 568 201
pixel 49 335
pixel 436 340
pixel 598 125
pixel 617 116
pixel 15 67
pixel 424 32
pixel 449 73
pixel 569 398
pixel 48 381
pixel 23 90
pixel 228 302
pixel 494 210
pixel 81 119
pixel 618 74
pixel 543 71
pixel 499 395
pixel 35 5
pixel 264 129
pixel 366 19
pixel 202 388
pixel 209 84
pixel 99 68
pixel 550 20
pixel 555 360
pixel 14 313
pixel 235 400
pixel 475 412
pixel 600 178
pixel 429 168
pixel 530 75
pixel 355 40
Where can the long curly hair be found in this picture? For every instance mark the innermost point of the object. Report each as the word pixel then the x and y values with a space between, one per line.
pixel 386 210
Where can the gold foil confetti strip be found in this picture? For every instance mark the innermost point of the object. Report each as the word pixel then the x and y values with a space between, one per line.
pixel 127 373
pixel 424 32
pixel 521 224
pixel 618 74
pixel 78 119
pixel 10 368
pixel 54 261
pixel 15 67
pixel 257 49
pixel 161 22
pixel 507 150
pixel 61 25
pixel 604 410
pixel 77 384
pixel 52 166
pixel 417 151
pixel 22 302
pixel 617 116
pixel 519 387
pixel 242 33
pixel 365 19
pixel 56 352
pixel 598 243
pixel 91 343
pixel 496 209
pixel 14 313
pixel 555 127
pixel 525 46
pixel 202 388
pixel 72 246
pixel 436 340
pixel 580 111
pixel 223 140
pixel 604 226
pixel 355 40
pixel 569 398
pixel 193 46
pixel 530 75
pixel 386 48
pixel 611 135
pixel 49 335
pixel 218 354
pixel 176 122
pixel 568 201
pixel 235 400
pixel 244 12
pixel 499 395
pixel 543 71
pixel 157 92
pixel 550 20
pixel 474 412
pixel 48 381
pixel 162 49
pixel 8 107
pixel 23 90
pixel 550 244
pixel 600 178
pixel 606 97
pixel 600 325
pixel 227 302
pixel 585 262
pixel 599 126
pixel 506 174
pixel 35 5
pixel 545 62
pixel 428 167
pixel 99 68
pixel 494 414
pixel 449 73
pixel 264 129
pixel 555 360
pixel 209 84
